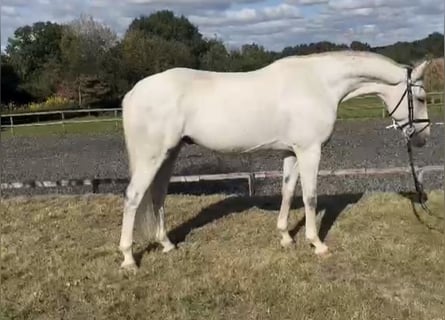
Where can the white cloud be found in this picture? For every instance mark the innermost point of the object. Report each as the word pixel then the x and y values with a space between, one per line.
pixel 307 2
pixel 246 16
pixel 272 23
pixel 356 4
pixel 8 11
pixel 361 11
pixel 14 3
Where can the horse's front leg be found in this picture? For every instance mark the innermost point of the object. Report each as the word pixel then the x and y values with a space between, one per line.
pixel 308 163
pixel 290 178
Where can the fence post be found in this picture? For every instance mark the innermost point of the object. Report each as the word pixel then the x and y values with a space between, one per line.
pixel 251 180
pixel 11 123
pixel 115 120
pixel 94 186
pixel 63 121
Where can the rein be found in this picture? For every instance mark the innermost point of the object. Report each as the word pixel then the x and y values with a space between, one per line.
pixel 409 131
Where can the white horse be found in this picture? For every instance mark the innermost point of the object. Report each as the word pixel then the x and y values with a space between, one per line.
pixel 289 105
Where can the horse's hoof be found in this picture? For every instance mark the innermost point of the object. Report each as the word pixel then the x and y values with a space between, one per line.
pixel 322 251
pixel 128 268
pixel 168 247
pixel 287 242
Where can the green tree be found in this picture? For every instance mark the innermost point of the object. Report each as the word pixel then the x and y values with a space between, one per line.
pixel 360 46
pixel 178 29
pixel 410 52
pixel 166 25
pixel 32 46
pixel 11 92
pixel 145 55
pixel 85 45
pixel 216 58
pixel 115 72
pixel 250 57
pixel 34 52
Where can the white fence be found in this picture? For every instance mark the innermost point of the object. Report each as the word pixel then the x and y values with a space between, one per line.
pixel 250 177
pixel 63 121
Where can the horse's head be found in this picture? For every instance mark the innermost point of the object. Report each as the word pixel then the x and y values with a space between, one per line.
pixel 406 104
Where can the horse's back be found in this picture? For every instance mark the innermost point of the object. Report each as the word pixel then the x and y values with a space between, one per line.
pixel 259 109
pixel 188 89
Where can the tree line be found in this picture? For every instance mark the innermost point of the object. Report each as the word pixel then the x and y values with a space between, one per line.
pixel 84 62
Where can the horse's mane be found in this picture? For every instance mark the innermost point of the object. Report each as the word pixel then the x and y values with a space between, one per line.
pixel 346 53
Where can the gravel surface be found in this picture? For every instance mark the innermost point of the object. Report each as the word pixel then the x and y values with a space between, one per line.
pixel 354 144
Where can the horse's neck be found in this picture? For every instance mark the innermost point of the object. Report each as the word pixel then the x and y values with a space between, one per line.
pixel 359 76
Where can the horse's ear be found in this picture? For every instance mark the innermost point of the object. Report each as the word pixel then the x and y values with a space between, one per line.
pixel 419 70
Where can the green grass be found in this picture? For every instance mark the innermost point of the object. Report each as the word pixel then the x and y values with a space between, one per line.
pixel 88 128
pixel 372 107
pixel 369 107
pixel 60 260
pixel 361 108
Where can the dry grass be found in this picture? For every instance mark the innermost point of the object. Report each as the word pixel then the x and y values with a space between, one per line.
pixel 60 261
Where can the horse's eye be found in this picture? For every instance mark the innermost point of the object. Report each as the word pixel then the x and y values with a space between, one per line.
pixel 421 100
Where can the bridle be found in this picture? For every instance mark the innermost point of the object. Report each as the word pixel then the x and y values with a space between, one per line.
pixel 408 128
pixel 409 131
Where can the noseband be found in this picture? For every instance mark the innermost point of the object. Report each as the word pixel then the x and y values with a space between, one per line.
pixel 409 131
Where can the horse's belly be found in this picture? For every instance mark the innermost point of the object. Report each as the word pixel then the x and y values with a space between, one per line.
pixel 236 134
pixel 231 144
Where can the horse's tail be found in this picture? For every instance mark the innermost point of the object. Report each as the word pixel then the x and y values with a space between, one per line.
pixel 146 219
pixel 126 117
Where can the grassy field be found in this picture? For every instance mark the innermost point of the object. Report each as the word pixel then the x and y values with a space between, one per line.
pixel 372 107
pixel 95 127
pixel 363 108
pixel 60 260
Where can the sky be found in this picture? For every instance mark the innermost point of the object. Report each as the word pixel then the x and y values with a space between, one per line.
pixel 273 24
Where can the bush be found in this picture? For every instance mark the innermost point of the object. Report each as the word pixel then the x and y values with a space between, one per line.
pixel 51 103
pixel 434 76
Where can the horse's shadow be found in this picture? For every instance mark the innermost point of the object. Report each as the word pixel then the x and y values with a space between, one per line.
pixel 332 205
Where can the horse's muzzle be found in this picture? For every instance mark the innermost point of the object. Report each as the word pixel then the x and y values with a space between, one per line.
pixel 419 140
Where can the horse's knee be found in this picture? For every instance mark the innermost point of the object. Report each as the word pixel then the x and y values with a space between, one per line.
pixel 286 179
pixel 288 188
pixel 132 197
pixel 310 202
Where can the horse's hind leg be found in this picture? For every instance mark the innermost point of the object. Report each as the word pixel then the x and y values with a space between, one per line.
pixel 290 178
pixel 159 190
pixel 308 162
pixel 138 198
